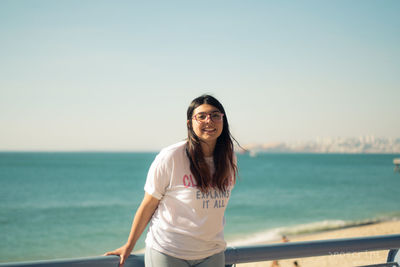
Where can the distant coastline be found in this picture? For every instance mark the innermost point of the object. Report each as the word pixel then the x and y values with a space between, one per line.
pixel 355 145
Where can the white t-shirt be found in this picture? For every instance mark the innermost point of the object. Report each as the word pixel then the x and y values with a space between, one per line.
pixel 187 224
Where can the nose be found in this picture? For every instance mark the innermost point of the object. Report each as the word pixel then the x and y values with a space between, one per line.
pixel 208 118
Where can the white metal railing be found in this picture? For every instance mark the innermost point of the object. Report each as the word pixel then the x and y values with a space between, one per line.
pixel 256 253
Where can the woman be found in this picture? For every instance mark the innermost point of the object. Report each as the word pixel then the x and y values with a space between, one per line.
pixel 186 192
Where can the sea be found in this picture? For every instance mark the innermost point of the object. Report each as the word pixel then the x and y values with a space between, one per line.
pixel 59 205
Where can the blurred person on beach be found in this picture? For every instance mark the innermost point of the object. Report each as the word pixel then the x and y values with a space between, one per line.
pixel 276 263
pixel 187 190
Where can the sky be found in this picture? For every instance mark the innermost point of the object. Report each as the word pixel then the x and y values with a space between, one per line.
pixel 99 75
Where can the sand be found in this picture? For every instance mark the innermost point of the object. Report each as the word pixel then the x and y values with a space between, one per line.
pixel 352 259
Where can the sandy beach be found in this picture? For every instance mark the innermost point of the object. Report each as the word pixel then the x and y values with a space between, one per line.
pixel 353 259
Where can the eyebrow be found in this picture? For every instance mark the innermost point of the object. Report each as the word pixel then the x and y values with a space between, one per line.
pixel 203 112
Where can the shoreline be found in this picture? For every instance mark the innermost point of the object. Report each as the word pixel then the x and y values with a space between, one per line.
pixel 343 260
pixel 274 234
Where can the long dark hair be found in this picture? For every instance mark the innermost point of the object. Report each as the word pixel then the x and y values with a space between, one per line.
pixel 225 167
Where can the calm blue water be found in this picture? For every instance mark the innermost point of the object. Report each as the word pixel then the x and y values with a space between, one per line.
pixel 61 205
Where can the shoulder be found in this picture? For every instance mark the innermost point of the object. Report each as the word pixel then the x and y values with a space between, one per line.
pixel 173 151
pixel 174 148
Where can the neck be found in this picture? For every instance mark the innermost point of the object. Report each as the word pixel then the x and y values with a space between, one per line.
pixel 208 149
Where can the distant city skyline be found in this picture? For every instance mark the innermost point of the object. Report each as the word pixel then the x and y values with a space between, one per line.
pixel 118 76
pixel 362 144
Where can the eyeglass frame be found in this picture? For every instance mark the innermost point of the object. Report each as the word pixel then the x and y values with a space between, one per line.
pixel 208 115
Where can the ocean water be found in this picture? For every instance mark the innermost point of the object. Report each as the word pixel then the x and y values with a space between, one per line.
pixel 68 205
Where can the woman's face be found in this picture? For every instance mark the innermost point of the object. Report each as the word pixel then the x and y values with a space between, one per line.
pixel 207 122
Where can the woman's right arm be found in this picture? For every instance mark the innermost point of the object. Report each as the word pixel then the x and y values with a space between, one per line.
pixel 142 217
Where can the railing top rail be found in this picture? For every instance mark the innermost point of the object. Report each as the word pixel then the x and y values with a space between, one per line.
pixel 311 248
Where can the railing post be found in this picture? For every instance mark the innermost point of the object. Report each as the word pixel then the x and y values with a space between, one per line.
pixel 394 256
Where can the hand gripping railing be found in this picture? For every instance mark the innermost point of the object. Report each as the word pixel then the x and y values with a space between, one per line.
pixel 256 253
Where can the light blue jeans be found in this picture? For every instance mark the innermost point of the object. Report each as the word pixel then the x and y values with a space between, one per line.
pixel 154 258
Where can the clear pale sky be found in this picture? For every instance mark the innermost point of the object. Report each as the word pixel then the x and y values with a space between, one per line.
pixel 119 75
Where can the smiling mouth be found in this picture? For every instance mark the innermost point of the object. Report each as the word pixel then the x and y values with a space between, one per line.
pixel 211 130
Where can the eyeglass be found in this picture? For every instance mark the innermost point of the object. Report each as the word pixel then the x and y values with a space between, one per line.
pixel 214 116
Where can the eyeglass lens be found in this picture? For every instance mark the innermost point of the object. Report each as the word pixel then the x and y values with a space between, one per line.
pixel 215 116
